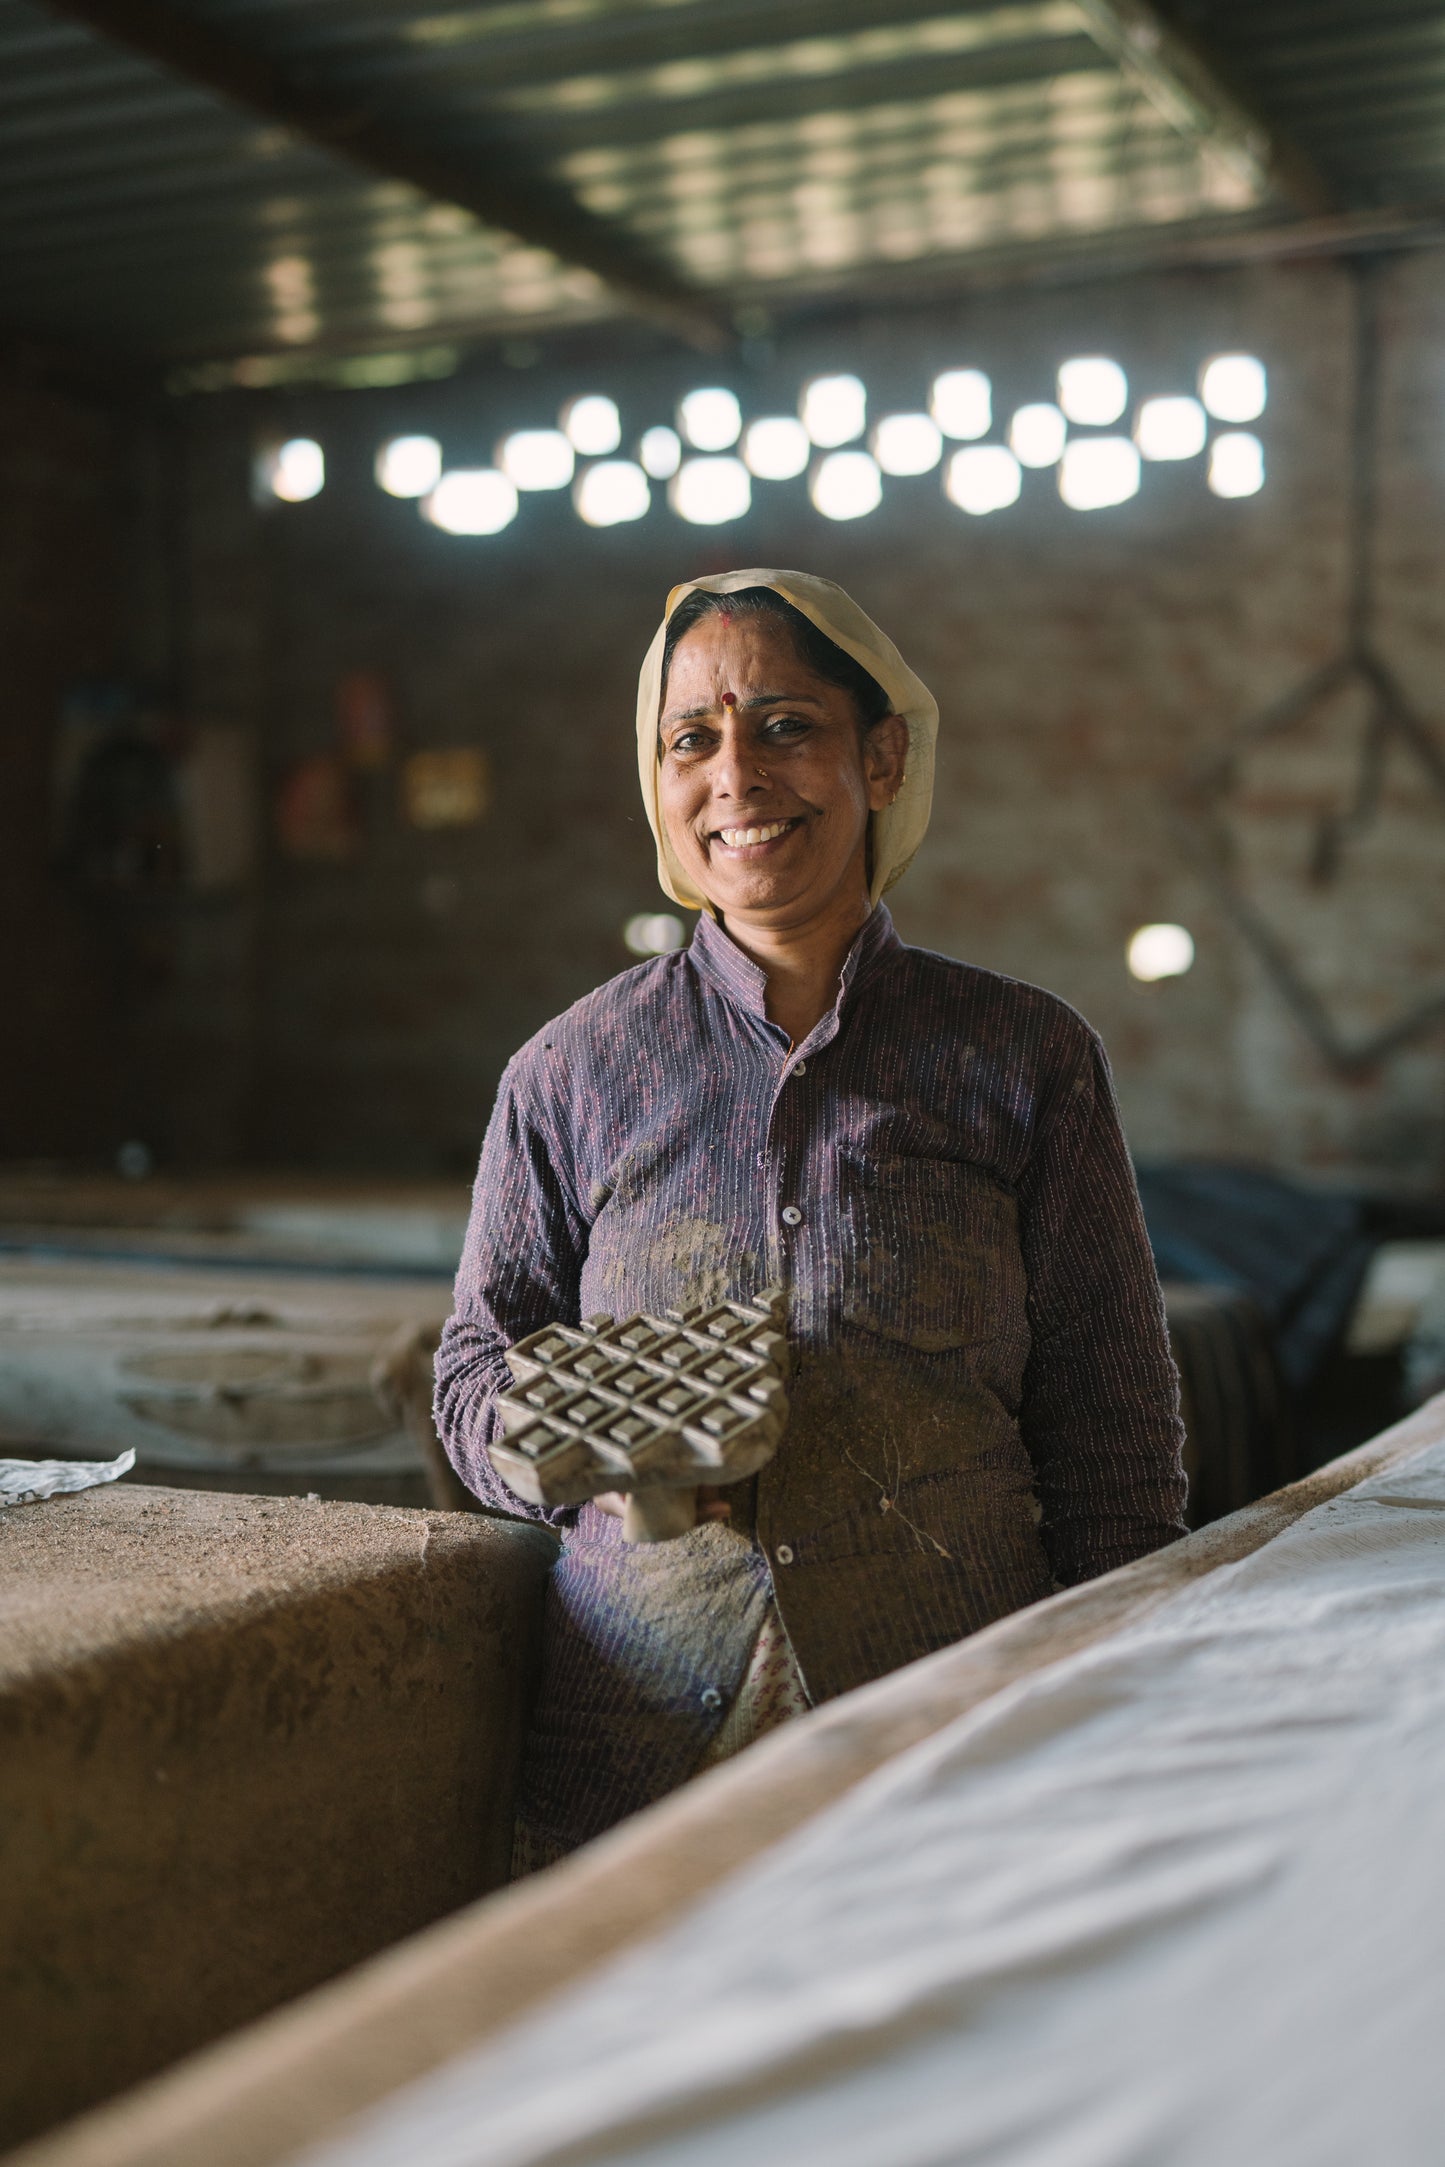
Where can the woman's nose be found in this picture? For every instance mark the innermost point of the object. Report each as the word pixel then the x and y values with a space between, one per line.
pixel 737 768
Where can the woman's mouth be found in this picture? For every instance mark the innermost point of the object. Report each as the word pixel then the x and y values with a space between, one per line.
pixel 754 838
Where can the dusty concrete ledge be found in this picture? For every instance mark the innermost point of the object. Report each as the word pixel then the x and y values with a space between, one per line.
pixel 258 2099
pixel 244 1743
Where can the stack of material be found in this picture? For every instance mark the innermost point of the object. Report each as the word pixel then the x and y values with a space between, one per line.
pixel 1238 1419
pixel 243 1380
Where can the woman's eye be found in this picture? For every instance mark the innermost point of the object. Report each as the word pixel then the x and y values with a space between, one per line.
pixel 785 726
pixel 689 741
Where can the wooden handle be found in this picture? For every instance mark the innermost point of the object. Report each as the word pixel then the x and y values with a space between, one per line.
pixel 659 1515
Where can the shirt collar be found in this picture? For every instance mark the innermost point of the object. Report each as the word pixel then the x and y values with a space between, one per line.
pixel 720 960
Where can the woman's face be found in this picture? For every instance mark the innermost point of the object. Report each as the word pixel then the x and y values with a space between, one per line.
pixel 766 783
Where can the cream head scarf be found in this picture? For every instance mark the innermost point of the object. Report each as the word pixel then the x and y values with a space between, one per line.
pixel 899 829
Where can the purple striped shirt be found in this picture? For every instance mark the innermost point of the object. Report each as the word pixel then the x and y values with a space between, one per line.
pixel 984 1405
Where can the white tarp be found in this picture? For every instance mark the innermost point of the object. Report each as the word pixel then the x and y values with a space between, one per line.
pixel 27 1482
pixel 1178 1901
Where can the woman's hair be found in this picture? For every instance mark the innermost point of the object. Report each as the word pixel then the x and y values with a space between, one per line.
pixel 822 656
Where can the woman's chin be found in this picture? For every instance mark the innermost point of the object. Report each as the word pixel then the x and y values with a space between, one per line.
pixel 758 891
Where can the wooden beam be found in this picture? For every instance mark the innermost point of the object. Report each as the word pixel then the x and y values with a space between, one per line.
pixel 1186 82
pixel 491 184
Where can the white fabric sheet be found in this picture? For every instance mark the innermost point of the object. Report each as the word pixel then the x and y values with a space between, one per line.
pixel 27 1482
pixel 1179 1899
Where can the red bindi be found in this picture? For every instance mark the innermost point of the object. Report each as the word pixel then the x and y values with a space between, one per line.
pixel 730 699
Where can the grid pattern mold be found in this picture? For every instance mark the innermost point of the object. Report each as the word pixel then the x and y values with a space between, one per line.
pixel 693 1396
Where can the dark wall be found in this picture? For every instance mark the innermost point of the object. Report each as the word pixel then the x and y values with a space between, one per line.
pixel 63 508
pixel 1085 665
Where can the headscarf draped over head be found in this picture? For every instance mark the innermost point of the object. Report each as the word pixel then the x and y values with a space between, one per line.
pixel 898 830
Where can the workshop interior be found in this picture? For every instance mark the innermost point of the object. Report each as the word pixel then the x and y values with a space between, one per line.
pixel 378 379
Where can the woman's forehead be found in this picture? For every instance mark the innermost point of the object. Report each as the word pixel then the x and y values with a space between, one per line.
pixel 735 653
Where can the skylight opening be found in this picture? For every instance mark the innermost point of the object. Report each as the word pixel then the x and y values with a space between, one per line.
pixel 846 485
pixel 1037 435
pixel 1171 429
pixel 833 410
pixel 591 425
pixel 471 500
pixel 984 478
pixel 537 459
pixel 907 443
pixel 1234 387
pixel 294 471
pixel 660 453
pixel 710 419
pixel 612 493
pixel 961 402
pixel 1093 390
pixel 776 448
pixel 710 492
pixel 409 466
pixel 1236 464
pixel 1098 471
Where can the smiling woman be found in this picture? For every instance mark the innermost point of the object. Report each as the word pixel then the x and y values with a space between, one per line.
pixel 926 1156
pixel 775 748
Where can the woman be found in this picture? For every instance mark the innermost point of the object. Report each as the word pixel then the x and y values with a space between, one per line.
pixel 927 1155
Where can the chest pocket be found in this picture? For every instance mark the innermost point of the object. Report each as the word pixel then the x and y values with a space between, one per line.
pixel 933 1253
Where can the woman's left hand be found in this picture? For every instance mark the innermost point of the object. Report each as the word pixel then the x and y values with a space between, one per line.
pixel 711 1504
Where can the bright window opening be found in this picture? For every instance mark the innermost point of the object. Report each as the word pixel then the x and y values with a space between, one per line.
pixel 834 410
pixel 295 470
pixel 591 425
pixel 472 500
pixel 961 402
pixel 1171 429
pixel 1037 435
pixel 776 448
pixel 409 466
pixel 653 933
pixel 660 453
pixel 1234 387
pixel 1093 390
pixel 985 478
pixel 710 492
pixel 1160 951
pixel 1236 464
pixel 711 419
pixel 536 459
pixel 846 485
pixel 907 444
pixel 1097 471
pixel 611 493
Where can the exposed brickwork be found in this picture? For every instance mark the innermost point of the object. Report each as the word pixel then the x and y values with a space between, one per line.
pixel 61 492
pixel 1083 664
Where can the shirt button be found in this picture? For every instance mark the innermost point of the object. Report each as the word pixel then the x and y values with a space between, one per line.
pixel 710 1698
pixel 801 1069
pixel 784 1553
pixel 791 1215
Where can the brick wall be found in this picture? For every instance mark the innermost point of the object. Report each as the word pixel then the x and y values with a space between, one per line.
pixel 1084 664
pixel 62 494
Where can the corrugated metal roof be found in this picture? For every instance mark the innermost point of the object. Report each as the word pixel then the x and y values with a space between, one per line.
pixel 751 149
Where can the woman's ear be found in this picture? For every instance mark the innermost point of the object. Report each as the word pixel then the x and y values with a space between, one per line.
pixel 885 758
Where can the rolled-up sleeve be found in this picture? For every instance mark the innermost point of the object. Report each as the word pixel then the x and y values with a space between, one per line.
pixel 1100 1416
pixel 520 1269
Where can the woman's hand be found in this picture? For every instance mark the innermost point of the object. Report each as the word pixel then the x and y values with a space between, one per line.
pixel 711 1504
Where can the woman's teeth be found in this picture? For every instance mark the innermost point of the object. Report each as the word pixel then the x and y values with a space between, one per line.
pixel 736 838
